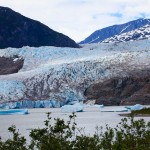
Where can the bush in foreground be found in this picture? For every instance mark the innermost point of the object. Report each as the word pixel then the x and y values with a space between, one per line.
pixel 129 134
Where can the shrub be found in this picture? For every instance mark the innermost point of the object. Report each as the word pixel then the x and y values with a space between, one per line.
pixel 141 112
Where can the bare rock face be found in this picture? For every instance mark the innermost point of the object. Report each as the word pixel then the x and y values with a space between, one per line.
pixel 129 90
pixel 10 65
pixel 141 96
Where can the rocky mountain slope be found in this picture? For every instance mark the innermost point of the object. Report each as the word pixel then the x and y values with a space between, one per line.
pixel 128 90
pixel 102 34
pixel 18 31
pixel 138 34
pixel 9 65
pixel 54 76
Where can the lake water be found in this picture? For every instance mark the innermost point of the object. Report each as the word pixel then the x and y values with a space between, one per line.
pixel 90 118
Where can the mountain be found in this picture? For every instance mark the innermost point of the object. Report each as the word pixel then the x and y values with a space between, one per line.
pixel 9 65
pixel 102 34
pixel 18 31
pixel 111 74
pixel 138 34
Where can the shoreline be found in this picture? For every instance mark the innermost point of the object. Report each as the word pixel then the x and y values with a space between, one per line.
pixel 136 115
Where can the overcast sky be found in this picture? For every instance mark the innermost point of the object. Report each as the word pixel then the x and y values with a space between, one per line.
pixel 79 18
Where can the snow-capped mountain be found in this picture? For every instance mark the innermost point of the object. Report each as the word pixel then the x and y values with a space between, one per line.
pixel 60 75
pixel 102 34
pixel 138 34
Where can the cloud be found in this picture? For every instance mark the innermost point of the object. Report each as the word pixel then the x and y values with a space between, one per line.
pixel 79 18
pixel 118 15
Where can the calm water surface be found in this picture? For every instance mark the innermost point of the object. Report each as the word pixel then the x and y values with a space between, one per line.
pixel 89 119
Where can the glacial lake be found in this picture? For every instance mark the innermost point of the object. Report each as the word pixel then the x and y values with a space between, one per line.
pixel 89 119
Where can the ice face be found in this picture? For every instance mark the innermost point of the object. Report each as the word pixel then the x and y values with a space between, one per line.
pixel 32 104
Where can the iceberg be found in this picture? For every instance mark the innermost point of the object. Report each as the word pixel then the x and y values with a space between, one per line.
pixel 72 108
pixel 135 107
pixel 94 105
pixel 98 106
pixel 114 109
pixel 14 112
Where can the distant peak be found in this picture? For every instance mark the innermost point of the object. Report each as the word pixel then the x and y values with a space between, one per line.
pixel 108 32
pixel 134 35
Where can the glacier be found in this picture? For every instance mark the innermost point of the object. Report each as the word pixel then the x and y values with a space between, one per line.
pixel 53 77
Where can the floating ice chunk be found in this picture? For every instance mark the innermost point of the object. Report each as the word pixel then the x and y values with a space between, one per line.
pixel 98 106
pixel 107 109
pixel 72 108
pixel 135 107
pixel 14 112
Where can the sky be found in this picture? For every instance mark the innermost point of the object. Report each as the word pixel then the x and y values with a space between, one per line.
pixel 79 18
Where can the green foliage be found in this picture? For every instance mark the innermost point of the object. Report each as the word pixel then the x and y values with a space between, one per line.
pixel 59 136
pixel 142 111
pixel 129 134
pixel 16 143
